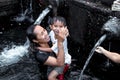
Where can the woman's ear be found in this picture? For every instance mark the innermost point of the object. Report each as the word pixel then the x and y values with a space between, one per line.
pixel 35 41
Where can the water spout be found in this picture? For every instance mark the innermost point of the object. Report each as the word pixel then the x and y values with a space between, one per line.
pixel 91 54
pixel 112 27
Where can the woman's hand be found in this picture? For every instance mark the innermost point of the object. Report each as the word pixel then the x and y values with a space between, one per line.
pixel 100 49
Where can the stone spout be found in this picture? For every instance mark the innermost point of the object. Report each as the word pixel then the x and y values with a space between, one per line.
pixel 112 27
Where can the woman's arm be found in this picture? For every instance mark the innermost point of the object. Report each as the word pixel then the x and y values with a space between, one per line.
pixel 111 55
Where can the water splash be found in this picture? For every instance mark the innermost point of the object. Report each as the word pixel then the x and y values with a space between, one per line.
pixel 91 54
pixel 14 54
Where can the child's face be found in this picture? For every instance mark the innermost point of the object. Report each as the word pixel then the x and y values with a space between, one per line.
pixel 58 25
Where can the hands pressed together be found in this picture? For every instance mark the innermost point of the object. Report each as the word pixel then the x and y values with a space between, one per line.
pixel 61 34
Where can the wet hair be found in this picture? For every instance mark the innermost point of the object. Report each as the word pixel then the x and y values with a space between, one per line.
pixel 57 18
pixel 30 32
pixel 31 35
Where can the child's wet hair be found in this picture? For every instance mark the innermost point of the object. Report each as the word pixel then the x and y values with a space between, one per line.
pixel 57 18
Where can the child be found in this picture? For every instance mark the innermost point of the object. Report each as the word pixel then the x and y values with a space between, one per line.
pixel 57 23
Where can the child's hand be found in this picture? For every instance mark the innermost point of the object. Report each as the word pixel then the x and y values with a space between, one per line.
pixel 62 33
pixel 67 33
pixel 56 31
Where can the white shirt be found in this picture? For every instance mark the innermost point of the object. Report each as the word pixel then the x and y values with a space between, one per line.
pixel 55 48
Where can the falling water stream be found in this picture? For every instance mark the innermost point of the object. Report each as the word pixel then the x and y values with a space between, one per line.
pixel 91 54
pixel 108 63
pixel 43 14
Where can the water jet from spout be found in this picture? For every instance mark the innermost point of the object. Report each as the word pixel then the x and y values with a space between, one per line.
pixel 91 54
pixel 42 15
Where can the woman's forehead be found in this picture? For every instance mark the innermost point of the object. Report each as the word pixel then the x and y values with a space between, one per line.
pixel 38 29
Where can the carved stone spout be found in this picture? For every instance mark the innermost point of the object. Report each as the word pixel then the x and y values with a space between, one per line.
pixel 112 27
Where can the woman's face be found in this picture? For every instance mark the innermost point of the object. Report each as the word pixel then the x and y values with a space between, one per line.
pixel 41 34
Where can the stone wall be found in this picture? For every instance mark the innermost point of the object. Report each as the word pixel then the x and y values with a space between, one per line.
pixel 8 7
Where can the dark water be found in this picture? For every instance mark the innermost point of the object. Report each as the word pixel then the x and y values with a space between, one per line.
pixel 12 36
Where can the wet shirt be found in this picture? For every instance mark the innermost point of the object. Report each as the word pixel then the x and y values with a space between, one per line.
pixel 42 56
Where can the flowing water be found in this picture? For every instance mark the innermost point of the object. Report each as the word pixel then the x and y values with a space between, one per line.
pixel 43 14
pixel 91 54
pixel 12 55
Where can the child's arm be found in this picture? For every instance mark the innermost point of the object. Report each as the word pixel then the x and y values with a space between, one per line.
pixel 54 48
pixel 45 49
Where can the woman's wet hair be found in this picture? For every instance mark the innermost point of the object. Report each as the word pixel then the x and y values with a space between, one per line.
pixel 57 18
pixel 30 32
